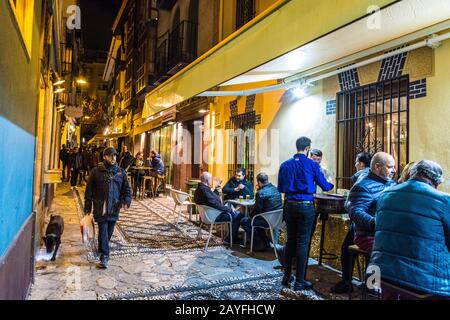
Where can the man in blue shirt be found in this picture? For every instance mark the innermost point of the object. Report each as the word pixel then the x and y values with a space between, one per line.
pixel 297 179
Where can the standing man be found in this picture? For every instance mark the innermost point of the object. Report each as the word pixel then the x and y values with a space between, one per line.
pixel 107 191
pixel 63 156
pixel 363 196
pixel 124 151
pixel 76 165
pixel 238 186
pixel 316 155
pixel 297 179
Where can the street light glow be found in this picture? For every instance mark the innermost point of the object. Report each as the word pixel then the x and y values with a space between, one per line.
pixel 60 90
pixel 57 83
pixel 203 111
pixel 81 81
pixel 299 92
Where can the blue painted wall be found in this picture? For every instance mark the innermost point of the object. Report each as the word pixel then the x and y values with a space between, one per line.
pixel 16 180
pixel 19 75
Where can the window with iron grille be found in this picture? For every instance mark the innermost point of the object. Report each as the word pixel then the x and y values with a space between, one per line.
pixel 242 144
pixel 370 119
pixel 245 11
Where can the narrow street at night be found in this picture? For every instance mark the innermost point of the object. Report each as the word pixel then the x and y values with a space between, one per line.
pixel 225 157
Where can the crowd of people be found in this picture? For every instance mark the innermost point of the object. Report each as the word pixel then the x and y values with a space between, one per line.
pixel 403 225
pixel 77 162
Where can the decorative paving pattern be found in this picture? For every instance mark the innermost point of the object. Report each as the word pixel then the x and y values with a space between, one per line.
pixel 256 287
pixel 149 227
pixel 153 225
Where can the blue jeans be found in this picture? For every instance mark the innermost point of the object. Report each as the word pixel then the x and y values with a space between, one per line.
pixel 105 232
pixel 235 224
pixel 259 237
pixel 299 219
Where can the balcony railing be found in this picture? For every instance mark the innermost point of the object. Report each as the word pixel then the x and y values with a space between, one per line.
pixel 178 49
pixel 166 4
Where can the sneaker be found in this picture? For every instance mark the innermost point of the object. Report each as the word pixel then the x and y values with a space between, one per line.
pixel 304 285
pixel 341 287
pixel 287 281
pixel 103 263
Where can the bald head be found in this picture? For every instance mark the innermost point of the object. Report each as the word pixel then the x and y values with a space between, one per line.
pixel 206 178
pixel 383 165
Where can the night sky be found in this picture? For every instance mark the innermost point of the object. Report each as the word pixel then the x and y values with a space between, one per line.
pixel 97 18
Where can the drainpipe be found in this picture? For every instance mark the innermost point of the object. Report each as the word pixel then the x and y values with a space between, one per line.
pixel 221 21
pixel 432 42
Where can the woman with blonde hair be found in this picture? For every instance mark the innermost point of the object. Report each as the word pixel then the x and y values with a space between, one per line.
pixel 406 172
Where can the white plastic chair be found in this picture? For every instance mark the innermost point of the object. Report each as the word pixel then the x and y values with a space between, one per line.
pixel 180 198
pixel 209 215
pixel 275 220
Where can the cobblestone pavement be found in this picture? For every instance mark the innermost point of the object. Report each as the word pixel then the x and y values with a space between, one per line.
pixel 141 269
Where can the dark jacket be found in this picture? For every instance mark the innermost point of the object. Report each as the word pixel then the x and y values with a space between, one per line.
pixel 412 237
pixel 157 165
pixel 126 161
pixel 360 174
pixel 204 196
pixel 63 155
pixel 229 187
pixel 76 161
pixel 362 200
pixel 267 199
pixel 107 189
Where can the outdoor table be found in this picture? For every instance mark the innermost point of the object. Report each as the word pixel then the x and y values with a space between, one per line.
pixel 325 205
pixel 244 203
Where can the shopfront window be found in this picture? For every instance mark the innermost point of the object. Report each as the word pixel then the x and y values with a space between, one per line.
pixel 372 118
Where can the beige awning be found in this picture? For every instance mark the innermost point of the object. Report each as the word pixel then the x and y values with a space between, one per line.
pixel 285 26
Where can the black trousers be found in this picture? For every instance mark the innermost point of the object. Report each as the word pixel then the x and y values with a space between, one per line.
pixel 74 177
pixel 299 219
pixel 105 232
pixel 346 261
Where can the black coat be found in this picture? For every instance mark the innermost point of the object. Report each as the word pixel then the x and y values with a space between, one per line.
pixel 232 184
pixel 267 199
pixel 107 190
pixel 205 197
pixel 76 161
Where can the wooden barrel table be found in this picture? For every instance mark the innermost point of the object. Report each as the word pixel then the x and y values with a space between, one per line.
pixel 326 204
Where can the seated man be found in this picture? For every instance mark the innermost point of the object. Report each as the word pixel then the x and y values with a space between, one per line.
pixel 412 234
pixel 156 163
pixel 267 199
pixel 205 196
pixel 363 196
pixel 238 186
pixel 362 165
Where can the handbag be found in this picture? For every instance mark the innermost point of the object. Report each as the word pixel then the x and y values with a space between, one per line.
pixel 87 228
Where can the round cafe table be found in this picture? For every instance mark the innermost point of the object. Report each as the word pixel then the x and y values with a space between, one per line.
pixel 245 204
pixel 326 204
